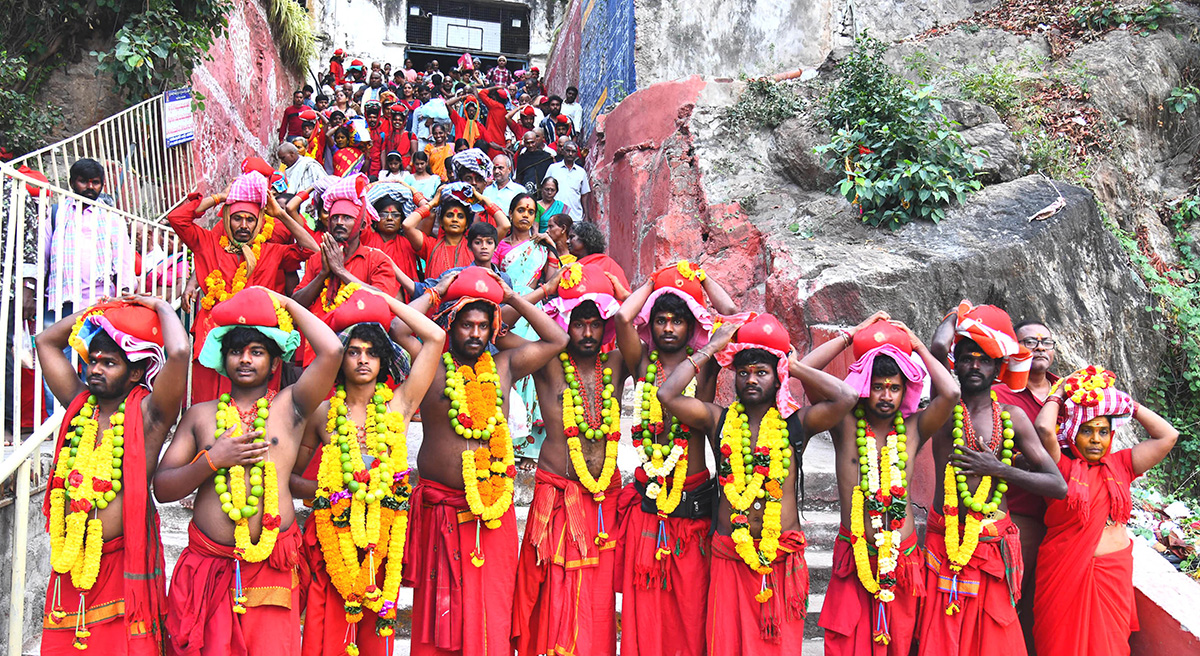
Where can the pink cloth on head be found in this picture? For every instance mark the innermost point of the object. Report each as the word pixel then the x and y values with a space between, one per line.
pixel 783 397
pixel 1115 404
pixel 560 309
pixel 248 188
pixel 351 189
pixel 859 377
pixel 701 332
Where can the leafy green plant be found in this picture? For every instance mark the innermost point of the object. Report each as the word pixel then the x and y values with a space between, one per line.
pixel 294 34
pixel 159 48
pixel 24 124
pixel 1181 98
pixel 998 86
pixel 1104 15
pixel 902 158
pixel 763 103
pixel 922 64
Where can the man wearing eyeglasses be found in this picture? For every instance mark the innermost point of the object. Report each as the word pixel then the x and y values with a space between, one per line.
pixel 1028 510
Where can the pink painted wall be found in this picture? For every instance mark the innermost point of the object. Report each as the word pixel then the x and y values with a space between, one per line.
pixel 246 87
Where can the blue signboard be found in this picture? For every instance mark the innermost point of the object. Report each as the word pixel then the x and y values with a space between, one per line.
pixel 178 126
pixel 606 68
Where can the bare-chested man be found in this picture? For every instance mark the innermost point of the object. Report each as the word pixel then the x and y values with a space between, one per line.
pixel 973 550
pixel 565 599
pixel 666 531
pixel 758 589
pixel 363 400
pixel 880 543
pixel 238 452
pixel 118 607
pixel 462 551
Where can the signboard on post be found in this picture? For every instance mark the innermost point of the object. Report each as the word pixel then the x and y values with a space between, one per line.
pixel 178 126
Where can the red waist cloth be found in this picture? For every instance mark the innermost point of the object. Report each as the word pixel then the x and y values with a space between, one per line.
pixel 737 623
pixel 325 611
pixel 852 617
pixel 105 602
pixel 663 600
pixel 458 607
pixel 200 617
pixel 565 603
pixel 986 592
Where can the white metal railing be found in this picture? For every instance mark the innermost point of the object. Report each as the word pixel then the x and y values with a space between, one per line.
pixel 29 208
pixel 142 174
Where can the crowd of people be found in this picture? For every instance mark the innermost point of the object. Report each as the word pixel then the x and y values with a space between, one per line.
pixel 333 311
pixel 405 126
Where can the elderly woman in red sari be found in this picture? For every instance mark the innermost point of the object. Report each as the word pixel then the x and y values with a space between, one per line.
pixel 1083 603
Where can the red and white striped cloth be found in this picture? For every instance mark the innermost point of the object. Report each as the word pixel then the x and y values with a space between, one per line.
pixel 992 329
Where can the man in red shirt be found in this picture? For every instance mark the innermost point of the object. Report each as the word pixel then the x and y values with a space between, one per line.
pixel 335 67
pixel 240 256
pixel 525 117
pixel 1027 510
pixel 399 139
pixel 292 124
pixel 379 133
pixel 343 260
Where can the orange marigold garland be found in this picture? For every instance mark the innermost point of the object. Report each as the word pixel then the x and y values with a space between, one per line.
pixel 362 509
pixel 88 474
pixel 593 418
pixel 215 286
pixel 477 413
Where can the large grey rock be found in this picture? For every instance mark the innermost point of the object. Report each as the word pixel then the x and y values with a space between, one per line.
pixel 968 113
pixel 1001 156
pixel 1067 270
pixel 793 152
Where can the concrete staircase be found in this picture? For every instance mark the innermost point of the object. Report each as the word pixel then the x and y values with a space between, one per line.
pixel 820 521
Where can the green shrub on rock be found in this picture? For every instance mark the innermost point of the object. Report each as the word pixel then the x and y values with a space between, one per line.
pixel 902 158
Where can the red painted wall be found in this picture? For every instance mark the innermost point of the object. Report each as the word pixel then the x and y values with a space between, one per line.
pixel 246 87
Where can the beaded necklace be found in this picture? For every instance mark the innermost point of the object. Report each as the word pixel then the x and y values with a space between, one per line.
pixel 578 420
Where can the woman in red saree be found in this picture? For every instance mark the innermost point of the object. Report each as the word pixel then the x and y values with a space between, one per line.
pixel 1083 601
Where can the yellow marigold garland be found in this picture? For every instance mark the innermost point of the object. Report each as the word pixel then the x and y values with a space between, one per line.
pixel 242 504
pixel 343 294
pixel 214 283
pixel 954 486
pixel 359 507
pixel 882 493
pixel 87 474
pixel 665 465
pixel 477 413
pixel 759 474
pixel 576 423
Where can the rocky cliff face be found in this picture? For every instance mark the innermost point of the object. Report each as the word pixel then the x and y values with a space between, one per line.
pixel 753 206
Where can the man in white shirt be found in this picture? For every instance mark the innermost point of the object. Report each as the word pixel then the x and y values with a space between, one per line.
pixel 573 182
pixel 572 108
pixel 301 171
pixel 503 189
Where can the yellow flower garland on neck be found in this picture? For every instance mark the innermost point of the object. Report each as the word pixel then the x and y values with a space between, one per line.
pixel 87 474
pixel 954 485
pixel 357 507
pixel 214 283
pixel 230 485
pixel 477 413
pixel 665 465
pixel 343 294
pixel 883 494
pixel 759 474
pixel 576 423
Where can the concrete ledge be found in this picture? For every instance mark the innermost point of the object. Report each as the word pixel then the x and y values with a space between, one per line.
pixel 1168 606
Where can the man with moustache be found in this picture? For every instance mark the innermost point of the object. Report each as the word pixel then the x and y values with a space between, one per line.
pixel 86 250
pixel 871 603
pixel 665 530
pixel 128 347
pixel 758 589
pixel 344 260
pixel 240 254
pixel 461 558
pixel 565 599
pixel 1028 510
pixel 973 550
pixel 235 587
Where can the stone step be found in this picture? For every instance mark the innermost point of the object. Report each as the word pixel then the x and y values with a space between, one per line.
pixel 815 602
pixel 820 527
